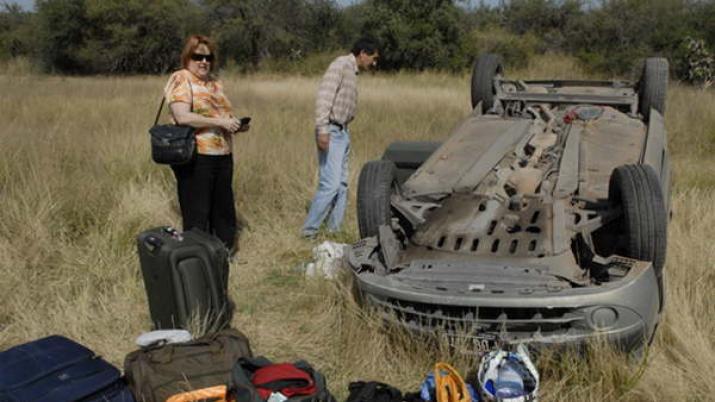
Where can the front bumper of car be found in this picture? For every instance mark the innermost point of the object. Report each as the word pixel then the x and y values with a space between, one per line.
pixel 623 311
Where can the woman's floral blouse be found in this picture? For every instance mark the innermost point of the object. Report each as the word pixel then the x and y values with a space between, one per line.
pixel 209 101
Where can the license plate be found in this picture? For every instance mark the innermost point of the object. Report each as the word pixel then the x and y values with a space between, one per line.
pixel 478 344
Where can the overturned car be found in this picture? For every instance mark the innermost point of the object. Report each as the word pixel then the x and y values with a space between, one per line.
pixel 541 219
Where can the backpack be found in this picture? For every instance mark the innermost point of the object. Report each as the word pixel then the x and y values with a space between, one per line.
pixel 156 373
pixel 256 379
pixel 361 391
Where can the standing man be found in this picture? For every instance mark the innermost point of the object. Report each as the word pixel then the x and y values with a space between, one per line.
pixel 335 108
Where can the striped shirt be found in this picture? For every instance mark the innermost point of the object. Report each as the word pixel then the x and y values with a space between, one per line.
pixel 337 94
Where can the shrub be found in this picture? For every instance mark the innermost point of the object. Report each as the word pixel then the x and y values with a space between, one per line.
pixel 700 63
pixel 15 32
pixel 415 34
pixel 515 49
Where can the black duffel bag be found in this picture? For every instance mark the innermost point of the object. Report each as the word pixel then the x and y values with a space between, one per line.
pixel 156 373
pixel 255 379
pixel 172 144
pixel 373 391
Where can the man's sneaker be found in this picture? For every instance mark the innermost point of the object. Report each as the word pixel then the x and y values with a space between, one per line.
pixel 309 235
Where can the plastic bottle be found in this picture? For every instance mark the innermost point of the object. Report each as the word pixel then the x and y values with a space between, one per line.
pixel 509 383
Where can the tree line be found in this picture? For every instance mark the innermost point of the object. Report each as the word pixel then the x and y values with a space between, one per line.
pixel 137 36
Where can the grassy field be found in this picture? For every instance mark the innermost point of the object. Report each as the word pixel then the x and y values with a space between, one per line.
pixel 77 185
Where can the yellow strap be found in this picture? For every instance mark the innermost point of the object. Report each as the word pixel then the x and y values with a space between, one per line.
pixel 449 385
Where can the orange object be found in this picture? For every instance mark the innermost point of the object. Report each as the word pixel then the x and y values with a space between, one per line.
pixel 218 393
pixel 449 385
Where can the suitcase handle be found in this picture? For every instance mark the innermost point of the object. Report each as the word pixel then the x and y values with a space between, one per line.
pixel 152 243
pixel 174 233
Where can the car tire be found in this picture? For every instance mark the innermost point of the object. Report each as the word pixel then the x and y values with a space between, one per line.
pixel 643 226
pixel 653 86
pixel 408 156
pixel 375 184
pixel 485 69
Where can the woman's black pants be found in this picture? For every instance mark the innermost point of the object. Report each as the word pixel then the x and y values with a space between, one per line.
pixel 206 196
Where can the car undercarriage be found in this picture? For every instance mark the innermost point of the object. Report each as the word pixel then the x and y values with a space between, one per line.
pixel 542 218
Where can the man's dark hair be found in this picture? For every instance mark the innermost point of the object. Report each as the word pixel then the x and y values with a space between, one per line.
pixel 364 44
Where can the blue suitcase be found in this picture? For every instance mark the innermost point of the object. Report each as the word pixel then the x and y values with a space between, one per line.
pixel 56 369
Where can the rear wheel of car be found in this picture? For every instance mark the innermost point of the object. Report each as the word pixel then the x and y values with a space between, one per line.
pixel 653 86
pixel 373 196
pixel 643 226
pixel 486 68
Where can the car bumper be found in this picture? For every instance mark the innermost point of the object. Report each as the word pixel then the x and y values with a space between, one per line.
pixel 623 311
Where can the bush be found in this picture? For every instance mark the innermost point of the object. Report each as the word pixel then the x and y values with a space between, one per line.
pixel 700 63
pixel 516 50
pixel 415 34
pixel 136 36
pixel 15 32
pixel 255 32
pixel 311 64
pixel 614 37
pixel 62 33
pixel 113 36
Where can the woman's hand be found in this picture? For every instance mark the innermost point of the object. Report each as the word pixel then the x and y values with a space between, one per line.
pixel 183 115
pixel 230 124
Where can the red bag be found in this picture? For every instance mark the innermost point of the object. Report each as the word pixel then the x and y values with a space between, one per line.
pixel 284 378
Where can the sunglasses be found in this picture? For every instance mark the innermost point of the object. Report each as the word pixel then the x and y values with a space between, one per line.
pixel 201 57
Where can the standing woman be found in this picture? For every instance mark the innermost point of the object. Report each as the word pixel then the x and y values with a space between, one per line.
pixel 195 97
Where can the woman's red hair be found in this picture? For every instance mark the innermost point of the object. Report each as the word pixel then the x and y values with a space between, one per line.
pixel 192 43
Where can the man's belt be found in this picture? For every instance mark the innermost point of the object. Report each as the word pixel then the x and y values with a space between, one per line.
pixel 341 125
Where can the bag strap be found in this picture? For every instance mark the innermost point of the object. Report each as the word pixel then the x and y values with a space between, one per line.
pixel 158 112
pixel 163 98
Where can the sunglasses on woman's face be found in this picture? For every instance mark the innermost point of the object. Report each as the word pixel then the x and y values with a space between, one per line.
pixel 201 57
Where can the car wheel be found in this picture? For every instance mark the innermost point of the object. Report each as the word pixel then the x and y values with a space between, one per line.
pixel 373 196
pixel 486 68
pixel 643 226
pixel 653 86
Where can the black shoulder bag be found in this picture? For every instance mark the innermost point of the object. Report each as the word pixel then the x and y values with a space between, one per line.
pixel 172 144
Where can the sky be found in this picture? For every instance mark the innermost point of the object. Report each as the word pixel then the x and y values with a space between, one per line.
pixel 29 4
pixel 26 4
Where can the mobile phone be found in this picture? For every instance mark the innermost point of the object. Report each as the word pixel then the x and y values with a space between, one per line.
pixel 244 120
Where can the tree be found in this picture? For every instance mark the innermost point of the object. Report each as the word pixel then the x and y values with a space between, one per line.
pixel 615 36
pixel 62 33
pixel 137 36
pixel 415 34
pixel 114 36
pixel 15 31
pixel 251 31
pixel 545 19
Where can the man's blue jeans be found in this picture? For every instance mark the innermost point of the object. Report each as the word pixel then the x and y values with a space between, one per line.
pixel 332 194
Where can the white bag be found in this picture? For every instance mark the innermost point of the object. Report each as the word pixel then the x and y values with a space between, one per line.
pixel 489 372
pixel 329 259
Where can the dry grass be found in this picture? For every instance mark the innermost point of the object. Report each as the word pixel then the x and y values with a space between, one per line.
pixel 77 184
